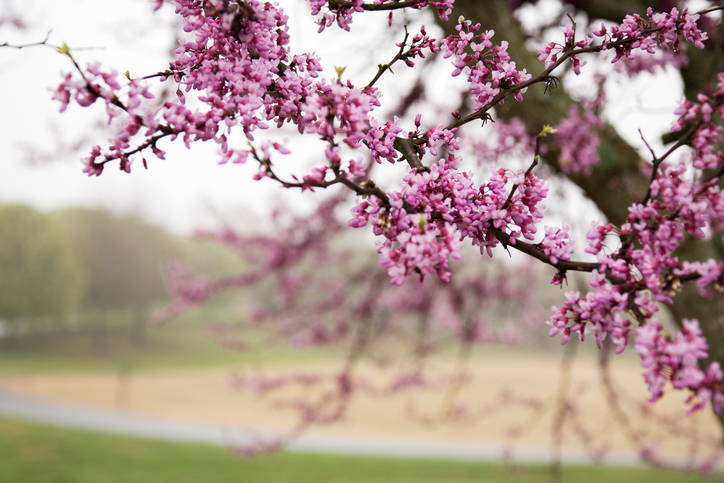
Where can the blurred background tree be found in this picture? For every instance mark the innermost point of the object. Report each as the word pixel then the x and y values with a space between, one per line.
pixel 121 255
pixel 42 277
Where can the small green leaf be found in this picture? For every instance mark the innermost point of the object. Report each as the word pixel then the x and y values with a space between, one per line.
pixel 128 75
pixel 64 49
pixel 547 129
pixel 340 71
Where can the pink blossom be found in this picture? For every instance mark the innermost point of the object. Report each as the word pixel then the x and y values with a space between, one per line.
pixel 556 244
pixel 579 141
pixel 490 71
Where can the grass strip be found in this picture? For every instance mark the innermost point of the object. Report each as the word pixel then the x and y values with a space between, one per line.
pixel 40 454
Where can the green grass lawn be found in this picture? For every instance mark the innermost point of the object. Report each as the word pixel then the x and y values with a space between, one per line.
pixel 38 454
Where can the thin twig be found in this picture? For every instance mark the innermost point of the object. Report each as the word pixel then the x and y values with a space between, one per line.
pixel 36 44
pixel 371 7
pixel 382 68
pixel 536 157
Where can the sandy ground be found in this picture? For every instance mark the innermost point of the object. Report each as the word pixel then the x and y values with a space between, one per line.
pixel 514 401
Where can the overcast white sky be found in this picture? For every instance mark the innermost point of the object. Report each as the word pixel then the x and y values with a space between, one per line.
pixel 182 191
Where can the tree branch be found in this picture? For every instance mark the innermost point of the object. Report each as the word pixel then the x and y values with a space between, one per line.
pixel 409 151
pixel 371 7
pixel 534 251
pixel 382 68
pixel 22 46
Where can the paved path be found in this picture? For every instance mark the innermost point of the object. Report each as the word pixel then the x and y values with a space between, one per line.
pixel 65 415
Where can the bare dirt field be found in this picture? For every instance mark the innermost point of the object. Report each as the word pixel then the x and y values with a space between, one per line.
pixel 512 400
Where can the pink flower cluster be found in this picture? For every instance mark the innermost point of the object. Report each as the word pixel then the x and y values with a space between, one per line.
pixel 242 72
pixel 419 247
pixel 640 61
pixel 490 71
pixel 674 25
pixel 709 134
pixel 635 34
pixel 643 271
pixel 556 244
pixel 380 139
pixel 413 242
pixel 420 42
pixel 576 135
pixel 678 195
pixel 511 139
pixel 646 33
pixel 710 272
pixel 597 313
pixel 341 11
pixel 339 109
pixel 95 84
pixel 240 62
pixel 189 288
pixel 442 206
pixel 549 53
pixel 437 137
pixel 444 7
pixel 83 93
pixel 295 238
pixel 675 359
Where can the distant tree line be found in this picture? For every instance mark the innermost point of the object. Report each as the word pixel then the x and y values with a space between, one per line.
pixel 57 267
